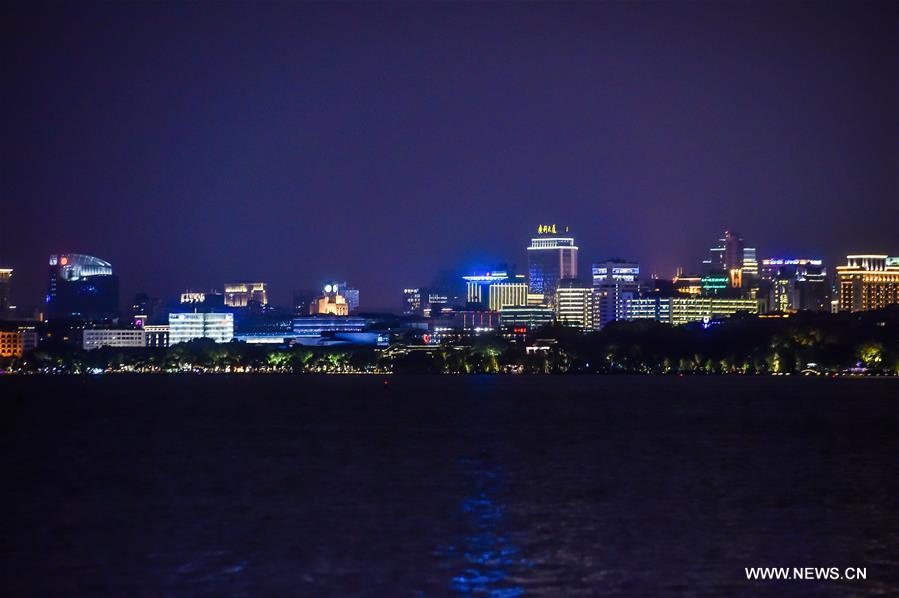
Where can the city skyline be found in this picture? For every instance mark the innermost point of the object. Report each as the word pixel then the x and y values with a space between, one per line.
pixel 456 285
pixel 191 147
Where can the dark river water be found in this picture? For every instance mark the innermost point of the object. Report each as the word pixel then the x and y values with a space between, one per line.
pixel 432 486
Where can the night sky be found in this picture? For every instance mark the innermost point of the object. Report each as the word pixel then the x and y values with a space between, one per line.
pixel 196 144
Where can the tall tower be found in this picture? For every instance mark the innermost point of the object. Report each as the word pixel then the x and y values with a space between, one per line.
pixel 552 257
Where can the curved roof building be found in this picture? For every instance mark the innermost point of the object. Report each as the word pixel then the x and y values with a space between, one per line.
pixel 83 287
pixel 73 266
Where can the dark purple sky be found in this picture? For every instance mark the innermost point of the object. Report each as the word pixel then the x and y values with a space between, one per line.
pixel 382 143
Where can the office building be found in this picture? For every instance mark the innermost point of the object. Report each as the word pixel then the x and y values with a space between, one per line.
pixel 613 282
pixel 93 338
pixel 157 335
pixel 5 301
pixel 536 299
pixel 501 295
pixel 331 303
pixel 750 263
pixel 530 317
pixel 868 282
pixel 681 310
pixel 243 294
pixel 795 284
pixel 573 305
pixel 477 285
pixel 185 327
pixel 552 257
pixel 83 287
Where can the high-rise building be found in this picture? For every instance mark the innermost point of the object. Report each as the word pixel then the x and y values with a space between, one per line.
pixel 728 257
pixel 502 295
pixel 185 327
pixel 795 284
pixel 573 305
pixel 681 310
pixel 5 276
pixel 82 286
pixel 868 282
pixel 241 294
pixel 552 257
pixel 613 282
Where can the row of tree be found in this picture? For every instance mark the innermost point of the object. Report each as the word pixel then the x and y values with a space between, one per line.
pixel 803 343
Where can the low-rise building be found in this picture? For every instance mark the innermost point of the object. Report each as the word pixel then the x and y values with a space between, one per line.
pixel 681 310
pixel 17 342
pixel 185 327
pixel 94 338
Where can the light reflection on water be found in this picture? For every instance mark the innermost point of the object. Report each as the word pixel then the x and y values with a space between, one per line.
pixel 486 552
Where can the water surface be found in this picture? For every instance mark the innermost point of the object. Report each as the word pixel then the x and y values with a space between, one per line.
pixel 502 486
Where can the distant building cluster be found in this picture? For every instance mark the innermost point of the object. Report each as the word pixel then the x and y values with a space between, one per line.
pixel 82 301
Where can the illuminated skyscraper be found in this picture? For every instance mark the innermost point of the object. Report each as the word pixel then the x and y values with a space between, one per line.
pixel 613 282
pixel 82 286
pixel 868 282
pixel 728 257
pixel 552 257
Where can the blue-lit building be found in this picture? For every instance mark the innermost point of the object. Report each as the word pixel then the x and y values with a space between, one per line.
pixel 82 287
pixel 552 257
pixel 326 324
pixel 477 285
